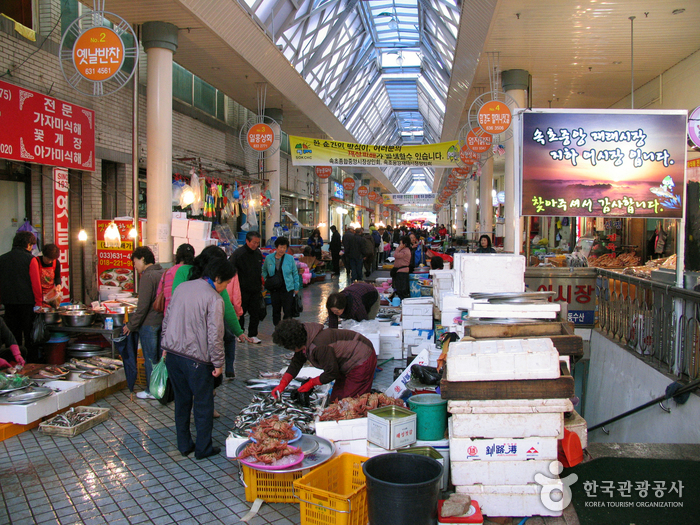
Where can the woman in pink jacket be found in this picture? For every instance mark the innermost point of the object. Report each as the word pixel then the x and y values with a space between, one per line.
pixel 402 259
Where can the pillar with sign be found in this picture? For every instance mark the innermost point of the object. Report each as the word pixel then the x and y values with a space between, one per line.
pixel 486 198
pixel 515 83
pixel 160 42
pixel 323 173
pixel 272 167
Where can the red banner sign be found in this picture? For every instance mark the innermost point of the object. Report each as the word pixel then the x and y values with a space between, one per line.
pixel 479 143
pixel 468 156
pixel 44 130
pixel 61 226
pixel 372 195
pixel 323 172
pixel 114 266
pixel 494 117
pixel 362 191
pixel 260 137
pixel 349 183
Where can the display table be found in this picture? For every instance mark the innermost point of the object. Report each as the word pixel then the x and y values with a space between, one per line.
pixel 96 328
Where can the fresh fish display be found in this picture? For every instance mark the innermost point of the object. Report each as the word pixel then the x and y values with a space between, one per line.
pixel 270 375
pixel 84 365
pixel 267 385
pixel 109 362
pixel 92 374
pixel 71 418
pixel 264 407
pixel 102 364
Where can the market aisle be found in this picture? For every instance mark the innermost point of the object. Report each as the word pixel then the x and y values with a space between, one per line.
pixel 128 470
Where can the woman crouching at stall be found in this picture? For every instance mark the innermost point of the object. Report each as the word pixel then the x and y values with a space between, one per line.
pixel 193 337
pixel 344 356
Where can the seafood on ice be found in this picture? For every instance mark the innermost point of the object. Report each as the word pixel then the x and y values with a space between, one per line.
pixel 273 428
pixel 357 407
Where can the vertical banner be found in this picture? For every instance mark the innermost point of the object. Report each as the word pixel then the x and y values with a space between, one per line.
pixel 61 226
pixel 114 265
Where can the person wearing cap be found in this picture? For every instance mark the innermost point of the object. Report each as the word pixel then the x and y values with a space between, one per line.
pixel 346 357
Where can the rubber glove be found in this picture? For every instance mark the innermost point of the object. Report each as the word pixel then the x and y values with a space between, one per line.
pixel 316 381
pixel 17 355
pixel 4 364
pixel 277 391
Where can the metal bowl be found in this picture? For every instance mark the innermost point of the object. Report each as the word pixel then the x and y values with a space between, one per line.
pixel 72 307
pixel 78 318
pixel 51 316
pixel 116 313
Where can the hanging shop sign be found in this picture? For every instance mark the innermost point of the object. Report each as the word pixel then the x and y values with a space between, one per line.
pixel 405 198
pixel 314 152
pixel 338 190
pixel 494 117
pixel 478 141
pixel 372 195
pixel 260 137
pixel 349 183
pixel 40 129
pixel 323 172
pixel 625 163
pixel 97 55
pixel 363 191
pixel 385 213
pixel 468 156
pixel 114 265
pixel 576 290
pixel 61 227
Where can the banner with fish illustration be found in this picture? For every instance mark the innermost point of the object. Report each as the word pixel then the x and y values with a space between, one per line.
pixel 621 163
pixel 318 152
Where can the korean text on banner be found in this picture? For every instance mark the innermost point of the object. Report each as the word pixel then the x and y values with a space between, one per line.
pixel 61 226
pixel 316 152
pixel 621 163
pixel 44 130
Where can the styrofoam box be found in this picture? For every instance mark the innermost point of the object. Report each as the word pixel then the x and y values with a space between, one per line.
pixel 200 244
pixel 498 472
pixel 491 273
pixel 443 279
pixel 344 430
pixel 455 302
pixel 390 333
pixel 375 340
pixel 69 392
pixel 412 322
pixel 508 425
pixel 25 414
pixel 448 317
pixel 352 446
pixel 509 406
pixel 178 228
pixel 372 450
pixel 390 349
pixel 179 215
pixel 417 337
pixel 419 310
pixel 232 444
pixel 578 426
pixel 177 241
pixel 198 230
pixel 502 359
pixel 501 449
pixel 515 500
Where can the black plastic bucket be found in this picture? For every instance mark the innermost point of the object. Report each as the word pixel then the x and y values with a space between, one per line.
pixel 402 489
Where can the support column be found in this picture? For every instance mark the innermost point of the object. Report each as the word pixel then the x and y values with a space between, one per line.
pixel 515 83
pixel 377 213
pixel 459 215
pixel 486 199
pixel 323 216
pixel 160 43
pixel 471 208
pixel 272 167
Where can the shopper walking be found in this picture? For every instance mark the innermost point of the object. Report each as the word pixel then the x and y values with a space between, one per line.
pixel 193 337
pixel 145 320
pixel 281 280
pixel 248 261
pixel 352 244
pixel 335 246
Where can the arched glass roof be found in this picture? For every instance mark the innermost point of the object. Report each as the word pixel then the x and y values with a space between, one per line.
pixel 381 66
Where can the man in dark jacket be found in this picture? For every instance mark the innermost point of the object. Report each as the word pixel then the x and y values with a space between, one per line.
pixel 335 246
pixel 248 262
pixel 367 247
pixel 353 253
pixel 20 292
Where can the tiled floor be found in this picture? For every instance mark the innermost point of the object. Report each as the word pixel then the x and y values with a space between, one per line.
pixel 128 470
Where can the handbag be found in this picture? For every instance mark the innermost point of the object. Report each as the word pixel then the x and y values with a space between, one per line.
pixel 275 281
pixel 297 306
pixel 39 332
pixel 395 270
pixel 159 301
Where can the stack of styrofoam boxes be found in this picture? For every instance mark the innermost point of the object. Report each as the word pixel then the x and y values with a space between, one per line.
pixel 196 233
pixel 416 339
pixel 416 315
pixel 497 447
pixel 390 342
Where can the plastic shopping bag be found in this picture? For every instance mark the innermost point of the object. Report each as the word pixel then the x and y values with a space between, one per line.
pixel 159 379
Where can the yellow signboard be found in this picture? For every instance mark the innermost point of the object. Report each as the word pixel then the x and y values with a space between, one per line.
pixel 317 152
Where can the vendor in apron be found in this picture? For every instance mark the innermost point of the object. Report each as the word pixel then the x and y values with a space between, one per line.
pixel 49 271
pixel 345 357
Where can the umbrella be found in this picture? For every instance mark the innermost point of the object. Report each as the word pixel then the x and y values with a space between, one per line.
pixel 127 347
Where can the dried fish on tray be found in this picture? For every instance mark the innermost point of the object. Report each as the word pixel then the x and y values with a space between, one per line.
pixel 74 421
pixel 264 407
